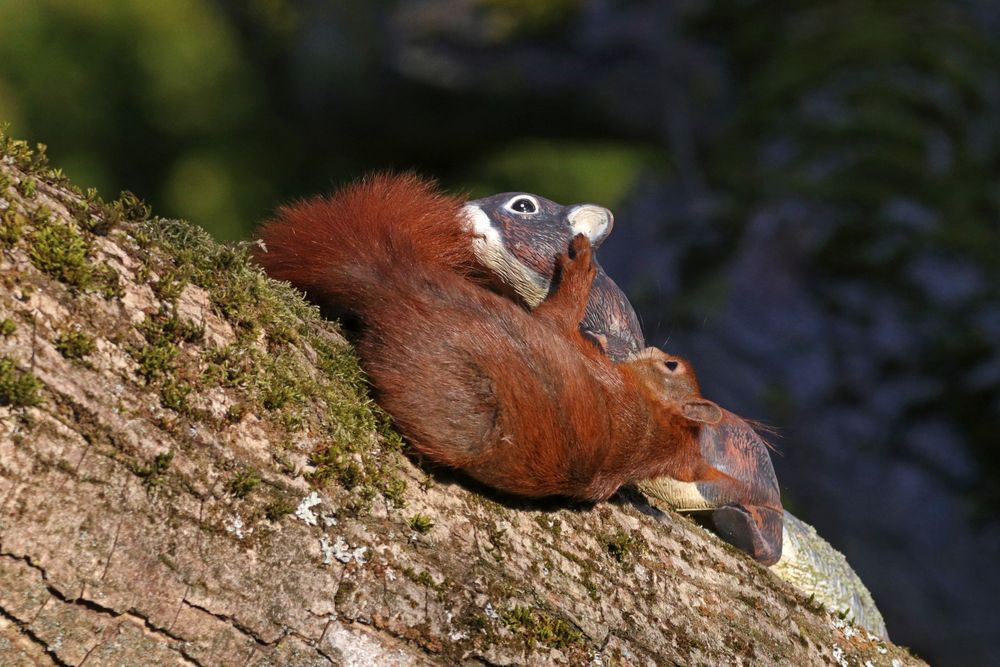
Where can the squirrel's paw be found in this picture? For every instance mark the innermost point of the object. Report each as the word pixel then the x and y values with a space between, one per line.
pixel 578 261
pixel 567 301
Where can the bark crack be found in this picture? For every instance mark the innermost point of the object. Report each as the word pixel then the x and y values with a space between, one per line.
pixel 114 542
pixel 25 630
pixel 158 633
pixel 233 622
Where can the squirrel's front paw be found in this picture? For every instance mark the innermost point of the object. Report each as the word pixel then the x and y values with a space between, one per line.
pixel 579 259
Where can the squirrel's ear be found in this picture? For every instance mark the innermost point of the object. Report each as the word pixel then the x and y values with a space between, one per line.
pixel 701 410
pixel 598 339
pixel 594 222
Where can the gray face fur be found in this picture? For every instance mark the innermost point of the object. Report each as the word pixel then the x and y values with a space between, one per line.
pixel 519 235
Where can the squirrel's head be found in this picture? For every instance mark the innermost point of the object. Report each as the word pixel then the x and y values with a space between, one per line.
pixel 518 236
pixel 516 239
pixel 744 504
pixel 672 378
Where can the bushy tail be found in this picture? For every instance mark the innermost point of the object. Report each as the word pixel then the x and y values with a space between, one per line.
pixel 346 250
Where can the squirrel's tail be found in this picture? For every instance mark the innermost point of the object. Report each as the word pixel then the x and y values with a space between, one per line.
pixel 346 249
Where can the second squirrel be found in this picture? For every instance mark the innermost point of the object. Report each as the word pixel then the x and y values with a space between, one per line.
pixel 516 237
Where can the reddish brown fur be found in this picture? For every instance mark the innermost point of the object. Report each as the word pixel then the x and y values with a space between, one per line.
pixel 518 400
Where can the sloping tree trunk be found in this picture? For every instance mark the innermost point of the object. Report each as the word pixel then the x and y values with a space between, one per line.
pixel 191 472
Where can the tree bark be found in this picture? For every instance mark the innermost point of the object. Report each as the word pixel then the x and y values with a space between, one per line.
pixel 190 473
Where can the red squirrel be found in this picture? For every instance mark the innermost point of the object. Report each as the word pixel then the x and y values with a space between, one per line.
pixel 518 400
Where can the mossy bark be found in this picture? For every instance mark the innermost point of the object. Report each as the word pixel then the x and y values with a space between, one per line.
pixel 205 481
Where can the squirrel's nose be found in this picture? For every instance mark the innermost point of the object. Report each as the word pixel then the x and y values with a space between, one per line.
pixel 594 222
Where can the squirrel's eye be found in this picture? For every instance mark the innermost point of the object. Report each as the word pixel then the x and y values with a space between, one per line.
pixel 523 205
pixel 671 365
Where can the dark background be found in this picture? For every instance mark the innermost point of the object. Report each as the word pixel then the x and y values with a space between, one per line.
pixel 807 198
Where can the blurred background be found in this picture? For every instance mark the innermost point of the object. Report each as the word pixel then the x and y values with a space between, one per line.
pixel 807 198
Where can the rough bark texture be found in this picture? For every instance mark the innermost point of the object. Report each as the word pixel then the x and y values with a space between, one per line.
pixel 190 473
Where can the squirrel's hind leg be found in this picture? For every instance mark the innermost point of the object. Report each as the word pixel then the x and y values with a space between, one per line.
pixel 567 302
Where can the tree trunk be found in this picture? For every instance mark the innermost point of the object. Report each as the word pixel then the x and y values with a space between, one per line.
pixel 191 472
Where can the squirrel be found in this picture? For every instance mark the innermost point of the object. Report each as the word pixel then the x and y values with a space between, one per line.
pixel 520 401
pixel 517 236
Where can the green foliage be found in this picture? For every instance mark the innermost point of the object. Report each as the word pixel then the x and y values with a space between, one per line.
pixel 152 474
pixel 174 394
pixel 243 483
pixel 7 327
pixel 156 359
pixel 19 389
pixel 420 523
pixel 75 344
pixel 540 627
pixel 11 225
pixel 62 252
pixel 170 74
pixel 183 102
pixel 278 510
pixel 620 545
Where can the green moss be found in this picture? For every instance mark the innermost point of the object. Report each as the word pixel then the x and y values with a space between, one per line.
pixel 109 284
pixel 243 483
pixel 236 412
pixel 420 523
pixel 152 474
pixel 423 577
pixel 549 523
pixel 163 333
pixel 230 366
pixel 269 367
pixel 279 392
pixel 18 150
pixel 28 187
pixel 279 384
pixel 166 325
pixel 169 286
pixel 278 510
pixel 7 327
pixel 394 492
pixel 127 208
pixel 350 475
pixel 540 627
pixel 293 421
pixel 620 545
pixel 18 388
pixel 61 251
pixel 75 344
pixel 174 395
pixel 157 359
pixel 11 227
